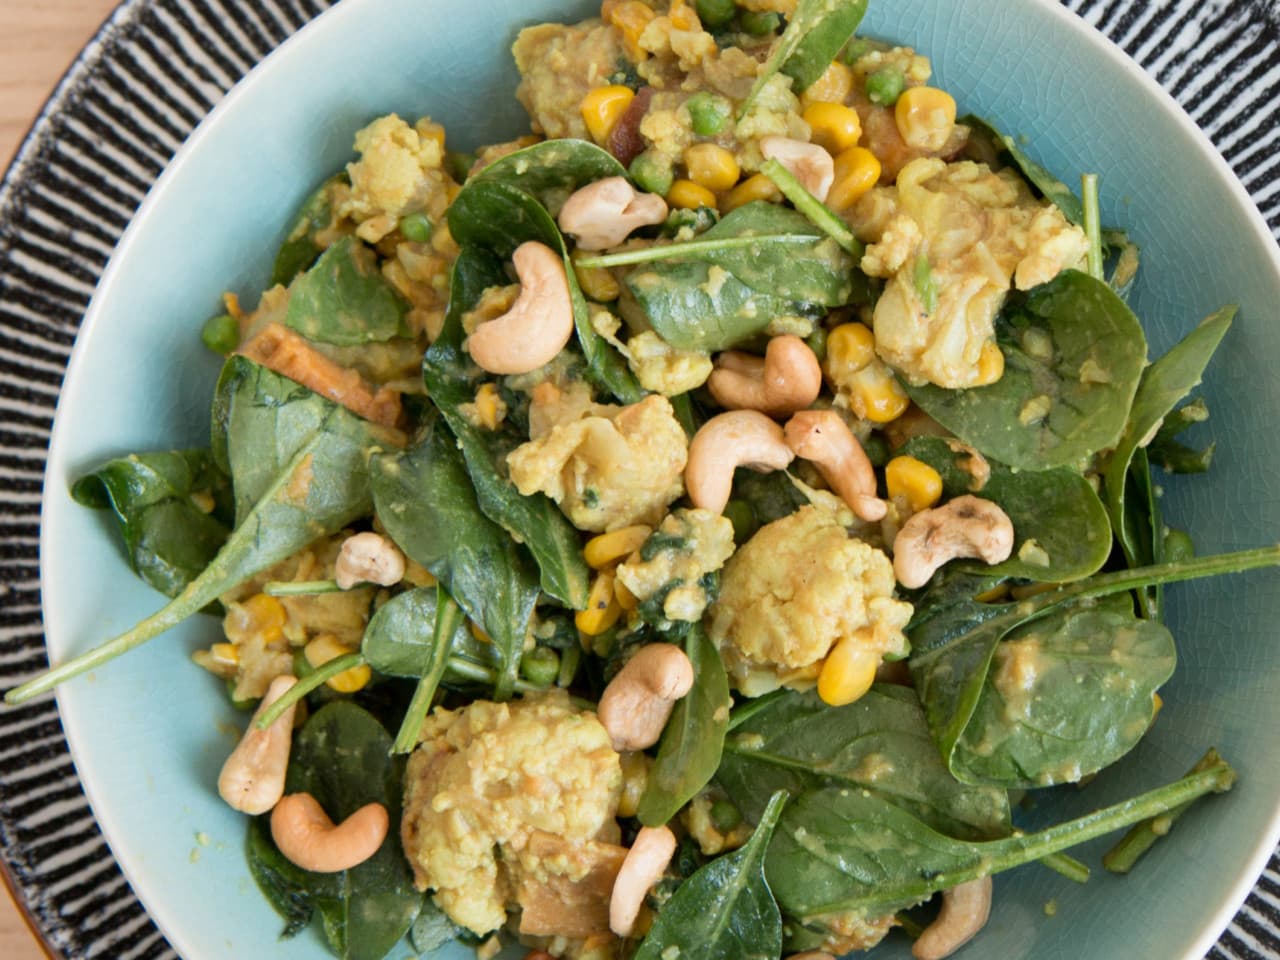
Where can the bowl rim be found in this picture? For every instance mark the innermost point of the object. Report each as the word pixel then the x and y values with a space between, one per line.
pixel 1229 898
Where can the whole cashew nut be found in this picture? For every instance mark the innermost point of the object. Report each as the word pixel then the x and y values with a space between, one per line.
pixel 789 378
pixel 964 527
pixel 644 866
pixel 368 558
pixel 965 909
pixel 603 214
pixel 740 438
pixel 539 323
pixel 638 701
pixel 822 436
pixel 309 839
pixel 807 162
pixel 252 779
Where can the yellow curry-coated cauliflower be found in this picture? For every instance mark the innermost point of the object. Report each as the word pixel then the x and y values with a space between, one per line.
pixel 606 466
pixel 399 171
pixel 661 368
pixel 512 804
pixel 969 232
pixel 558 65
pixel 795 589
pixel 672 564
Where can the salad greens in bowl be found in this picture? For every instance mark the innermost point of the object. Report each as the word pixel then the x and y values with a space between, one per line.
pixel 748 516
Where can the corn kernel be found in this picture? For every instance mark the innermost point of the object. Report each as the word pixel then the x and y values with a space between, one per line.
pixel 687 195
pixel 834 126
pixel 857 170
pixel 602 610
pixel 1157 703
pixel 711 166
pixel 259 618
pixel 683 17
pixel 225 653
pixel 834 86
pixel 630 17
pixel 490 407
pixel 990 364
pixel 596 282
pixel 415 574
pixel 925 117
pixel 477 631
pixel 635 778
pixel 754 188
pixel 603 107
pixel 913 480
pixel 850 347
pixel 875 395
pixel 611 547
pixel 326 647
pixel 848 672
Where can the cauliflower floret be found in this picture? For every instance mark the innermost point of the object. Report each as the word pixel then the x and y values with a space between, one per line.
pixel 794 590
pixel 558 65
pixel 610 467
pixel 509 803
pixel 972 233
pixel 661 368
pixel 675 561
pixel 399 171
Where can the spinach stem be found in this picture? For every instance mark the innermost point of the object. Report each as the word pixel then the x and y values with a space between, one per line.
pixel 415 714
pixel 690 248
pixel 1067 866
pixel 1092 225
pixel 304 686
pixel 299 588
pixel 818 213
pixel 570 658
pixel 469 670
pixel 449 618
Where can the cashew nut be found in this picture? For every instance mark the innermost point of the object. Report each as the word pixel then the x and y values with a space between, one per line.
pixel 964 527
pixel 539 323
pixel 807 162
pixel 309 839
pixel 637 702
pixel 644 866
pixel 964 912
pixel 823 437
pixel 788 379
pixel 811 955
pixel 740 438
pixel 252 779
pixel 603 214
pixel 368 558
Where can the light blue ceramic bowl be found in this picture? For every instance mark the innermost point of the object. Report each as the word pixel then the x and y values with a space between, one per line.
pixel 149 733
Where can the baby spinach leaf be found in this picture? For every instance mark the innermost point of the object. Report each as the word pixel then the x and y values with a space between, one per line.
pixel 168 538
pixel 400 639
pixel 1061 530
pixel 344 299
pixel 551 170
pixel 1057 192
pixel 814 35
pixel 725 910
pixel 452 380
pixel 432 930
pixel 879 743
pixel 1073 356
pixel 425 500
pixel 691 742
pixel 290 890
pixel 300 250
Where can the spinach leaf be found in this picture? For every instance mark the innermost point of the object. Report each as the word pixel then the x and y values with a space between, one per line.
pixel 400 639
pixel 691 742
pixel 1171 454
pixel 425 500
pixel 452 380
pixel 432 930
pixel 1073 356
pixel 879 743
pixel 551 170
pixel 498 217
pixel 814 35
pixel 1061 530
pixel 168 538
pixel 300 249
pixel 344 299
pixel 1057 192
pixel 725 908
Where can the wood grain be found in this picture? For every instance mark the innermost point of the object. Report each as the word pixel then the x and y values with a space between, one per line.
pixel 38 41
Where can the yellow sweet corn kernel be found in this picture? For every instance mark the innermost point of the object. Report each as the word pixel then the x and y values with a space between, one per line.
pixel 857 171
pixel 683 17
pixel 990 364
pixel 848 672
pixel 754 188
pixel 913 480
pixel 596 282
pixel 326 647
pixel 259 618
pixel 850 347
pixel 630 17
pixel 833 126
pixel 834 86
pixel 925 117
pixel 490 407
pixel 1157 703
pixel 687 195
pixel 417 575
pixel 711 166
pixel 609 548
pixel 635 777
pixel 602 610
pixel 875 395
pixel 603 107
pixel 225 654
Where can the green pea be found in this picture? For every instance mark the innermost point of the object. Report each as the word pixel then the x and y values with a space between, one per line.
pixel 856 49
pixel 716 13
pixel 885 86
pixel 540 666
pixel 1178 546
pixel 760 24
pixel 743 518
pixel 652 173
pixel 221 334
pixel 817 342
pixel 416 227
pixel 708 113
pixel 725 816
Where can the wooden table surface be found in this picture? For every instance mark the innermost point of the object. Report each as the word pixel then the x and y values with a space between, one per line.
pixel 38 41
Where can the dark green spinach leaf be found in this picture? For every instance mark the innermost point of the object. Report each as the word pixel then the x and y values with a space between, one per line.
pixel 345 300
pixel 300 250
pixel 550 171
pixel 814 35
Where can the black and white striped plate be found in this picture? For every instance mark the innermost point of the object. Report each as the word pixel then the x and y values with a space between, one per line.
pixel 135 93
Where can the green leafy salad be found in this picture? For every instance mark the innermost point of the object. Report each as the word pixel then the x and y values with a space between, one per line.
pixel 689 529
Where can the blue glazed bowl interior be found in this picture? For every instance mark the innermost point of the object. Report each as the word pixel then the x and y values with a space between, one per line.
pixel 150 732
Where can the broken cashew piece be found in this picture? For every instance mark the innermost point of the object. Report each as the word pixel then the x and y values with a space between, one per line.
pixel 644 866
pixel 603 214
pixel 252 779
pixel 789 378
pixel 309 839
pixel 966 527
pixel 368 558
pixel 807 162
pixel 539 323
pixel 964 912
pixel 823 438
pixel 638 701
pixel 740 438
